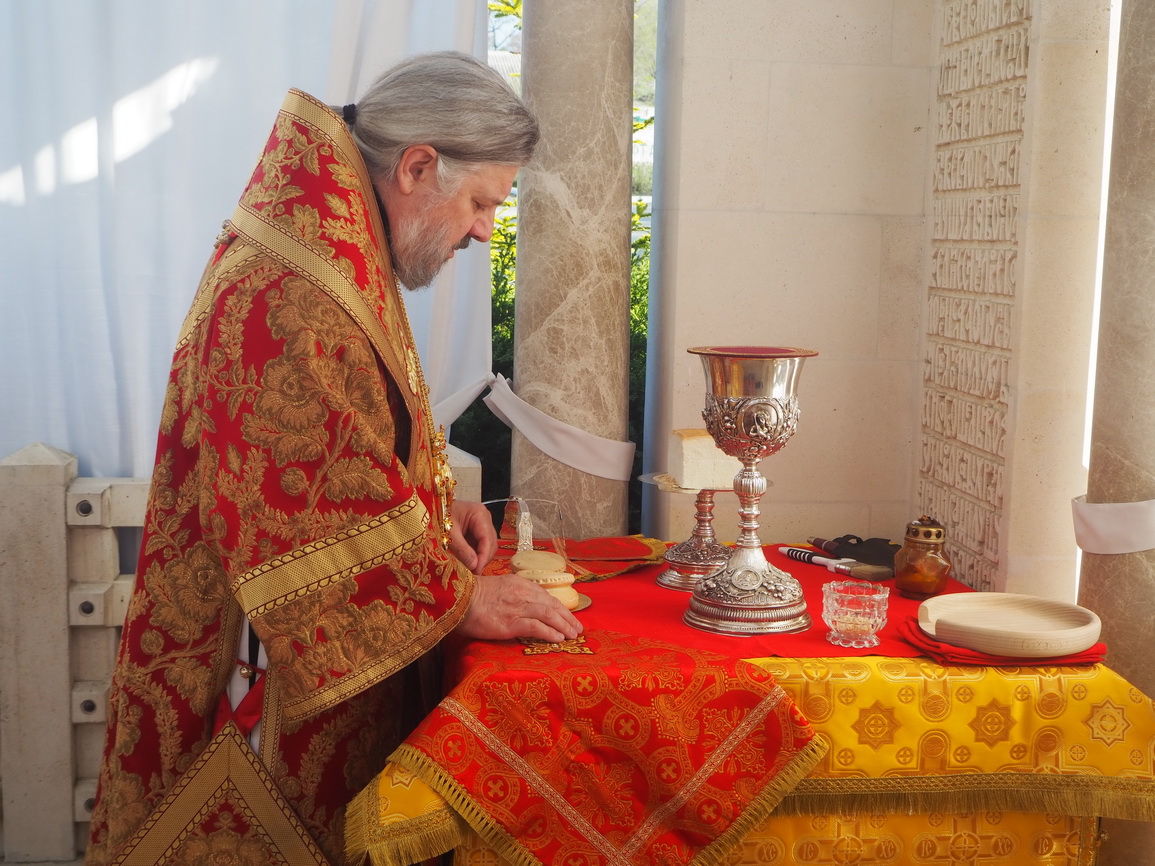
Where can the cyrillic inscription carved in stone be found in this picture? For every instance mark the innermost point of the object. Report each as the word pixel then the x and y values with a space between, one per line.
pixel 977 218
pixel 971 525
pixel 981 321
pixel 965 19
pixel 979 166
pixel 980 425
pixel 982 94
pixel 983 270
pixel 968 116
pixel 972 570
pixel 994 58
pixel 969 472
pixel 978 373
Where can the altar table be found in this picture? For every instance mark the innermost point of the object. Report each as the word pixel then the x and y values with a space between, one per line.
pixel 924 763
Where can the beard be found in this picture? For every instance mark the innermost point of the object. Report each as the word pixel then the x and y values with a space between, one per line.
pixel 421 247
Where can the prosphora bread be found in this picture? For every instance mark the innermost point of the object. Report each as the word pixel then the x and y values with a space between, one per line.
pixel 536 561
pixel 696 463
pixel 547 570
pixel 559 585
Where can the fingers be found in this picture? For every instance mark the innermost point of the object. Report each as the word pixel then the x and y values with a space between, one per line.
pixel 560 619
pixel 550 623
pixel 473 538
pixel 505 607
pixel 486 547
pixel 461 549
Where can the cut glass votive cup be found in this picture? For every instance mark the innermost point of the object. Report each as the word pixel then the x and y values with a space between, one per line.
pixel 855 611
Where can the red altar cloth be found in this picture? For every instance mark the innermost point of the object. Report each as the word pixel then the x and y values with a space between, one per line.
pixel 619 576
pixel 633 603
pixel 610 750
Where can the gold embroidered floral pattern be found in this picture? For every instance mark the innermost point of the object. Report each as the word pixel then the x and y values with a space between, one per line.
pixel 225 847
pixel 282 416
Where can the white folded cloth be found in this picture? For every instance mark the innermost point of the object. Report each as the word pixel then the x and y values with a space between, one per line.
pixel 1113 527
pixel 596 455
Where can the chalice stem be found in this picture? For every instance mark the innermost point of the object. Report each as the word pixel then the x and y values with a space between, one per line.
pixel 750 485
pixel 698 555
pixel 704 519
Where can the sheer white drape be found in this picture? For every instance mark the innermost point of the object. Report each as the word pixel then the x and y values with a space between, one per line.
pixel 130 129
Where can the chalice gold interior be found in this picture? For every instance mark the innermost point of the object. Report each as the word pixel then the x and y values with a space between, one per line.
pixel 751 412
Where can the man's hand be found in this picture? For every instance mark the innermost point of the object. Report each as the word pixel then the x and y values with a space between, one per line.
pixel 506 606
pixel 472 538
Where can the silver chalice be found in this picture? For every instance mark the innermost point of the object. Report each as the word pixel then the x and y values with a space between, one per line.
pixel 751 412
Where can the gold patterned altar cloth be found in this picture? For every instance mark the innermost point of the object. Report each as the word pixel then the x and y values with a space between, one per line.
pixel 926 764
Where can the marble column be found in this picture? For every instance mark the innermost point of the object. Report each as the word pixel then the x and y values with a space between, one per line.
pixel 571 341
pixel 1121 587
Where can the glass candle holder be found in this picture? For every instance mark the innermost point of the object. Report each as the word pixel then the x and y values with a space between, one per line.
pixel 855 611
pixel 921 566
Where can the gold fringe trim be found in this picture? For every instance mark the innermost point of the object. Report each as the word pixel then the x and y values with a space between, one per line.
pixel 400 844
pixel 1088 796
pixel 514 853
pixel 761 806
pixel 657 550
pixel 464 805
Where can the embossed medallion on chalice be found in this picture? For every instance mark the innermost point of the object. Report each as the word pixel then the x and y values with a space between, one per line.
pixel 751 412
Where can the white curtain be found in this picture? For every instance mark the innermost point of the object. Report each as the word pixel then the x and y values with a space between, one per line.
pixel 130 129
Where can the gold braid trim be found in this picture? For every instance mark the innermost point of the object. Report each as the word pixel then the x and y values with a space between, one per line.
pixel 506 846
pixel 1096 796
pixel 235 257
pixel 398 844
pixel 510 849
pixel 330 560
pixel 226 771
pixel 763 804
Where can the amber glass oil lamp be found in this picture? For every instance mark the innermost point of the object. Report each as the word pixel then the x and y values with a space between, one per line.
pixel 921 566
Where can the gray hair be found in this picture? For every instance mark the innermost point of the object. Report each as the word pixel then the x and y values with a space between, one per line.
pixel 452 102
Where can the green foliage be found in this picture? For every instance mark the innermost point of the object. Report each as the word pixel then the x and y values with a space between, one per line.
pixel 643 179
pixel 645 50
pixel 506 9
pixel 639 321
pixel 479 432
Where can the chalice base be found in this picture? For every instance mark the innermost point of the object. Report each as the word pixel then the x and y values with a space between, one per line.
pixel 687 563
pixel 749 596
pixel 698 556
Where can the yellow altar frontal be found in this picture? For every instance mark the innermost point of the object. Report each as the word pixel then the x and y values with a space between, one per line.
pixel 926 764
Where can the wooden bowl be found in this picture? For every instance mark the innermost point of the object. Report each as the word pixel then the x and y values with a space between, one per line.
pixel 1009 624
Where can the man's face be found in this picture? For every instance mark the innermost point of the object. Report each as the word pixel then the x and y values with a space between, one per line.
pixel 426 234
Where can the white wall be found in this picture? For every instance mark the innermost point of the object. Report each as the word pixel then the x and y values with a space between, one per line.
pixel 792 144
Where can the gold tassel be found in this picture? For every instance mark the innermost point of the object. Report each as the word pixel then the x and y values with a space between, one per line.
pixel 761 806
pixel 1091 796
pixel 459 800
pixel 400 844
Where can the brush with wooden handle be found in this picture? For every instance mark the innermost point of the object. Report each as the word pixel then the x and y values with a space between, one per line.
pixel 858 570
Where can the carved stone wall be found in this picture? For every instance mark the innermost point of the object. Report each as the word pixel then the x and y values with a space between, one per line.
pixel 975 245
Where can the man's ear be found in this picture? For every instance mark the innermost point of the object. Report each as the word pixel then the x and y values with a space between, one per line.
pixel 418 167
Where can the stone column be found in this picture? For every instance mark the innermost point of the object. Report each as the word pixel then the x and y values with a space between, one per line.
pixel 1121 587
pixel 573 265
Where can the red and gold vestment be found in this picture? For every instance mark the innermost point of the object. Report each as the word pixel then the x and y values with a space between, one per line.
pixel 298 485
